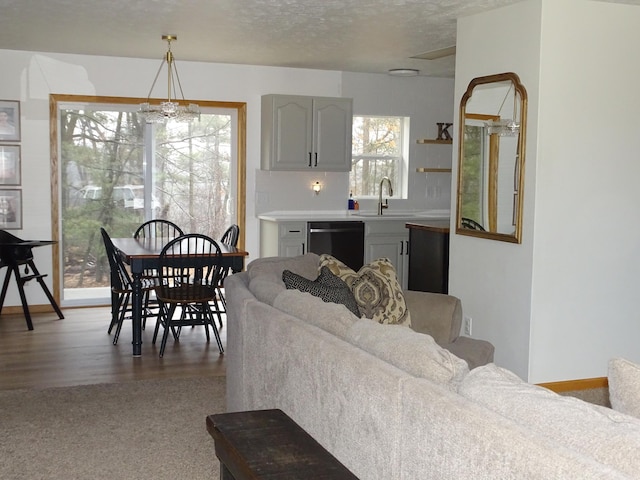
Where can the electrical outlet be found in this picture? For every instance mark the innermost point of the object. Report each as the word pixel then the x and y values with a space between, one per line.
pixel 467 326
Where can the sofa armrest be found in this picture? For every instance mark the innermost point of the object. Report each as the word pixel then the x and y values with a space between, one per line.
pixel 474 351
pixel 435 314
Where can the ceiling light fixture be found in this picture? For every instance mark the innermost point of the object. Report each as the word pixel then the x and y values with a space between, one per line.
pixel 504 128
pixel 169 109
pixel 403 72
pixel 507 127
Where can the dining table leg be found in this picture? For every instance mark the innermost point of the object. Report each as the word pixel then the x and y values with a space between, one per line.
pixel 136 313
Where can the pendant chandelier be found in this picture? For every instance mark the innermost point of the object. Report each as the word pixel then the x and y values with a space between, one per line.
pixel 506 127
pixel 169 109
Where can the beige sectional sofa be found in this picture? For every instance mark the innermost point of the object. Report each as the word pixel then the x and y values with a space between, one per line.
pixel 390 403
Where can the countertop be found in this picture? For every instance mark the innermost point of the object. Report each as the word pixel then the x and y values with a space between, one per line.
pixel 429 216
pixel 439 226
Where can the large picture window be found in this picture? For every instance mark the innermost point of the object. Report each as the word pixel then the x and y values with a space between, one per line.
pixel 116 171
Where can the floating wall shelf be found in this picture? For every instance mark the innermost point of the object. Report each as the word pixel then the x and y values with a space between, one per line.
pixel 433 170
pixel 426 140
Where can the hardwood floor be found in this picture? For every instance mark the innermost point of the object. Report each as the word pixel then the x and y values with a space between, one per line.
pixel 77 350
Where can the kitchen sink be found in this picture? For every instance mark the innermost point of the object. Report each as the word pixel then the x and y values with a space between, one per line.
pixel 443 214
pixel 386 214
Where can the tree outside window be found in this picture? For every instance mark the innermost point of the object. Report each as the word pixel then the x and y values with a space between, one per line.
pixel 106 152
pixel 472 191
pixel 377 152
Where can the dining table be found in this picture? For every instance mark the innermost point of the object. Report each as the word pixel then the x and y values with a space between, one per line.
pixel 142 254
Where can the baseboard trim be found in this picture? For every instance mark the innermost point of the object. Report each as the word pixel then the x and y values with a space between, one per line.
pixel 16 309
pixel 46 308
pixel 580 384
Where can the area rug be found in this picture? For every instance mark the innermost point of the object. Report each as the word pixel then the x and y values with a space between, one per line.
pixel 147 429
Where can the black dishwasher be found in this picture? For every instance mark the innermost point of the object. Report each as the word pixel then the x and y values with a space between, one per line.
pixel 343 240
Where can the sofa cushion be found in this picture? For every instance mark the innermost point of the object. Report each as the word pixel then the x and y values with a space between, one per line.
pixel 624 386
pixel 474 351
pixel 265 274
pixel 610 437
pixel 436 314
pixel 327 286
pixel 334 318
pixel 376 289
pixel 415 353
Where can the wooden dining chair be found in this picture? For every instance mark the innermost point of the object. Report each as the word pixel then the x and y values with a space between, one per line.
pixel 472 224
pixel 158 228
pixel 122 288
pixel 229 237
pixel 188 272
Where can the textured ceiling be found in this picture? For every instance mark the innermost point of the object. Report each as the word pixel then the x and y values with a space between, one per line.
pixel 350 35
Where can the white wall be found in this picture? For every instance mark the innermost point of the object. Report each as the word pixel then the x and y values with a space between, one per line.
pixel 426 100
pixel 586 261
pixel 31 76
pixel 562 303
pixel 493 279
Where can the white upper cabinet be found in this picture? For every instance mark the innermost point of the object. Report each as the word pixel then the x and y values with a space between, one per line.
pixel 306 133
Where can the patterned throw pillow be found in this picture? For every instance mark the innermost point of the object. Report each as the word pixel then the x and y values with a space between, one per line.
pixel 327 286
pixel 376 289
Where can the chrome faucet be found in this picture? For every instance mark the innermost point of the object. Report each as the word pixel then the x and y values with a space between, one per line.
pixel 382 206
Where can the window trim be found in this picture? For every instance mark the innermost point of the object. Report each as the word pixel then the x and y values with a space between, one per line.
pixel 401 187
pixel 54 102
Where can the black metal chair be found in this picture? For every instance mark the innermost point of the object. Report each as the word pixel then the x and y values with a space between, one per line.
pixel 14 253
pixel 229 237
pixel 188 272
pixel 122 288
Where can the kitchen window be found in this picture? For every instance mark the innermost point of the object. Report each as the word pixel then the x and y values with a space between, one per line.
pixel 379 149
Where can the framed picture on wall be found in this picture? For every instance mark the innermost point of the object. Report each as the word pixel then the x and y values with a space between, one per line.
pixel 9 121
pixel 10 165
pixel 10 209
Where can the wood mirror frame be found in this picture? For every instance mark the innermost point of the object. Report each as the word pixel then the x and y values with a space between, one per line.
pixel 490 165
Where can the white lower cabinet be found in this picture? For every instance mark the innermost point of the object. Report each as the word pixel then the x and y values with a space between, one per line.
pixel 282 239
pixel 389 239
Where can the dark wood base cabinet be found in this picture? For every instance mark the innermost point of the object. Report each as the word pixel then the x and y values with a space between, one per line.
pixel 429 257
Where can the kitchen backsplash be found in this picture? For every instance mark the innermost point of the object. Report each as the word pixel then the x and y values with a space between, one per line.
pixel 283 191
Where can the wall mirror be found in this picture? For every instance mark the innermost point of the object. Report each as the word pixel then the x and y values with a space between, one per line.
pixel 493 113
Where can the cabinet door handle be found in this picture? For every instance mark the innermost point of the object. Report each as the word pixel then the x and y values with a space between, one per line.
pixel 407 247
pixel 309 159
pixel 401 247
pixel 303 248
pixel 316 160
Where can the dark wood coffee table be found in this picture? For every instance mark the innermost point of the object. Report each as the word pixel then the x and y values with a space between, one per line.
pixel 267 444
